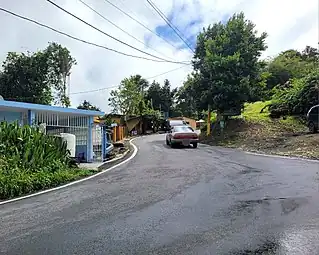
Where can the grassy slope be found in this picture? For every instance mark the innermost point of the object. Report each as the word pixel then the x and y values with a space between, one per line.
pixel 255 131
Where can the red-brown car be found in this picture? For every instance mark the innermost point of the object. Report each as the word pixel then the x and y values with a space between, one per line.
pixel 182 135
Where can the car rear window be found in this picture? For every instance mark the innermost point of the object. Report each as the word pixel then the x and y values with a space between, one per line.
pixel 182 129
pixel 176 123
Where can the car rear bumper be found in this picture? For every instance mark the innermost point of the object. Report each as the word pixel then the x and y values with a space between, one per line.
pixel 181 141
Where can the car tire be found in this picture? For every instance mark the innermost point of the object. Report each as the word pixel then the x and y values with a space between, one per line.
pixel 312 128
pixel 171 144
pixel 195 145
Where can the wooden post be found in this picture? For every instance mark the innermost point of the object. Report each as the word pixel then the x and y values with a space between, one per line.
pixel 114 134
pixel 208 121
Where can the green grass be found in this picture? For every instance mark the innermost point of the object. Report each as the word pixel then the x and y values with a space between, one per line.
pixel 252 114
pixel 252 111
pixel 18 183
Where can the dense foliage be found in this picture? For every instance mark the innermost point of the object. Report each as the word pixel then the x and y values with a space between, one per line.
pixel 226 61
pixel 294 82
pixel 297 97
pixel 86 105
pixel 39 77
pixel 31 161
pixel 136 97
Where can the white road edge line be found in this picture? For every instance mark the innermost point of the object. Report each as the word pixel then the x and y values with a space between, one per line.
pixel 75 182
pixel 269 155
pixel 279 156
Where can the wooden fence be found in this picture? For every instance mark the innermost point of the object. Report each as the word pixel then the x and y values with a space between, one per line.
pixel 119 133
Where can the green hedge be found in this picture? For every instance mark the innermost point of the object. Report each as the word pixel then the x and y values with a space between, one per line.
pixel 297 98
pixel 21 182
pixel 26 147
pixel 31 161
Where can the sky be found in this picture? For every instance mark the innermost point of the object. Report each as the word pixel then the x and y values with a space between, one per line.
pixel 290 24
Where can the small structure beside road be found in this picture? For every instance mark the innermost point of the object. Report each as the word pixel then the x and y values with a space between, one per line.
pixel 191 122
pixel 91 140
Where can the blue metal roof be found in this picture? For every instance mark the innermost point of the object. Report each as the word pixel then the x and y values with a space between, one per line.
pixel 47 108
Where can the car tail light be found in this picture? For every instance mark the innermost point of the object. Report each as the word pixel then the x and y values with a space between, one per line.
pixel 185 136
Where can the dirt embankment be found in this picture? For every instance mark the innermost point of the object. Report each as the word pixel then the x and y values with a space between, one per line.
pixel 280 137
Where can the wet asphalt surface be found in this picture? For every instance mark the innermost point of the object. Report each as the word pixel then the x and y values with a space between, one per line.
pixel 174 201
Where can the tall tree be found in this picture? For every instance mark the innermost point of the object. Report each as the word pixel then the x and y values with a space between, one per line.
pixel 34 77
pixel 24 78
pixel 154 95
pixel 187 98
pixel 129 99
pixel 60 63
pixel 226 58
pixel 86 105
pixel 161 97
pixel 166 96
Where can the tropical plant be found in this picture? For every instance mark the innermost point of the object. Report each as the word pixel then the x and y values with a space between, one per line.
pixel 27 148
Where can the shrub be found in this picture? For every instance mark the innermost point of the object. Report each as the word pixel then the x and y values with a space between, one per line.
pixel 31 161
pixel 27 148
pixel 296 99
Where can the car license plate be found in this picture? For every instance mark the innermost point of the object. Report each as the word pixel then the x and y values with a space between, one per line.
pixel 186 142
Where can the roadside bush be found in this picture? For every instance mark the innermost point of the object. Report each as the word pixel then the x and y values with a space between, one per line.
pixel 31 161
pixel 27 148
pixel 296 99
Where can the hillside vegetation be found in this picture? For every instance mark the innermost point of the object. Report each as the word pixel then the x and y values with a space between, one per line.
pixel 257 132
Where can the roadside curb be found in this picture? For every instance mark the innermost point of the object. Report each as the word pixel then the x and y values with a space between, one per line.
pixel 135 150
pixel 113 160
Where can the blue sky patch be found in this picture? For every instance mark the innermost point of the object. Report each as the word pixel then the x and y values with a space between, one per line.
pixel 167 32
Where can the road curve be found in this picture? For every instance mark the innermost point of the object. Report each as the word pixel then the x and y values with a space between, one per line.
pixel 174 201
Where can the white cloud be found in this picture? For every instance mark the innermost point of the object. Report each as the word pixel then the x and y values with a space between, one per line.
pixel 290 24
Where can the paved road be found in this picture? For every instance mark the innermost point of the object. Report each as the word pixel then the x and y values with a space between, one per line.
pixel 174 201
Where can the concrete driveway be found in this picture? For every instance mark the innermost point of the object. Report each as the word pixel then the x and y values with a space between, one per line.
pixel 174 201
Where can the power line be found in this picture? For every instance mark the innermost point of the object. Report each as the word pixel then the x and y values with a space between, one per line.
pixel 127 33
pixel 99 30
pixel 175 29
pixel 111 87
pixel 84 41
pixel 140 23
pixel 169 23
